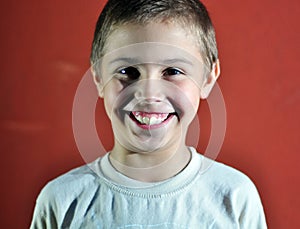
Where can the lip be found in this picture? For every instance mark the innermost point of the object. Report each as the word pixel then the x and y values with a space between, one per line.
pixel 154 126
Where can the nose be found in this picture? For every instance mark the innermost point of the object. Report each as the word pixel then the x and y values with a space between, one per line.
pixel 150 90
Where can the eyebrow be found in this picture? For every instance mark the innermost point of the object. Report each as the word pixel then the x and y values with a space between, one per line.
pixel 176 60
pixel 167 61
pixel 124 59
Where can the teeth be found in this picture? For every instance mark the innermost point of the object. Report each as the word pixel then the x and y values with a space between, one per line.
pixel 139 118
pixel 152 119
pixel 146 120
pixel 157 120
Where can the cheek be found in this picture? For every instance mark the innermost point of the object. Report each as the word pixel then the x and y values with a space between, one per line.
pixel 194 98
pixel 191 94
pixel 111 92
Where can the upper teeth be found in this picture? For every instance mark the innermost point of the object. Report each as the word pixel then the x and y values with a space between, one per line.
pixel 150 119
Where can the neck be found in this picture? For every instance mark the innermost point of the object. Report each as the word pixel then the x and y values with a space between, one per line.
pixel 153 166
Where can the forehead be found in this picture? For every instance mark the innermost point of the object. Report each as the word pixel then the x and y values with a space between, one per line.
pixel 171 34
pixel 156 53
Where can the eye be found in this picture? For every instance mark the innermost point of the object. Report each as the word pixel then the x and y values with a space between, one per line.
pixel 129 73
pixel 172 72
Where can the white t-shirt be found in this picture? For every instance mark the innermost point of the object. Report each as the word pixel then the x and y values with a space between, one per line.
pixel 97 196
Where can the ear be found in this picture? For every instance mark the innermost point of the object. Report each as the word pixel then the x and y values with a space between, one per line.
pixel 210 81
pixel 98 82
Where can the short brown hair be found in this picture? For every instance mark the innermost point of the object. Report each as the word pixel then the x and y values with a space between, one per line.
pixel 192 14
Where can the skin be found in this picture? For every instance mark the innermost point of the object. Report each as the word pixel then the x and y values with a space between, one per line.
pixel 153 154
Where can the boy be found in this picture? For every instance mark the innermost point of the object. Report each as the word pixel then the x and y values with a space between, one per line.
pixel 152 62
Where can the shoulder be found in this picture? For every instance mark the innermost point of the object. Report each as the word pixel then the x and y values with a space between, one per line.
pixel 234 191
pixel 60 198
pixel 224 177
pixel 226 183
pixel 71 184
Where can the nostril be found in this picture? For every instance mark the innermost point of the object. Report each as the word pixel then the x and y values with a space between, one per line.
pixel 149 95
pixel 150 90
pixel 149 101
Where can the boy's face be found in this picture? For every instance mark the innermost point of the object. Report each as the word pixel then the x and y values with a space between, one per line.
pixel 152 78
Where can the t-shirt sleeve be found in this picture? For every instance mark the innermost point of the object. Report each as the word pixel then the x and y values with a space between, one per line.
pixel 44 216
pixel 249 207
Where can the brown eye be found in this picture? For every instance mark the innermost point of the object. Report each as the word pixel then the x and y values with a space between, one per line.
pixel 130 73
pixel 172 72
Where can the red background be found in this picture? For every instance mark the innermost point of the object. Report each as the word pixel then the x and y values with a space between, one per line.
pixel 45 49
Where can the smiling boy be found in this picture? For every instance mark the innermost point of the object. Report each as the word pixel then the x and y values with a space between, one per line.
pixel 152 62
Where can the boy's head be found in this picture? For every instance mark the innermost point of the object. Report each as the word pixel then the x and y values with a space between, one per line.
pixel 190 14
pixel 153 61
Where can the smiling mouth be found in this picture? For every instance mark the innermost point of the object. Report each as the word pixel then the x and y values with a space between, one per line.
pixel 146 119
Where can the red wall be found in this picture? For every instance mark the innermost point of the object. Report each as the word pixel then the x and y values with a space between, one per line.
pixel 44 53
